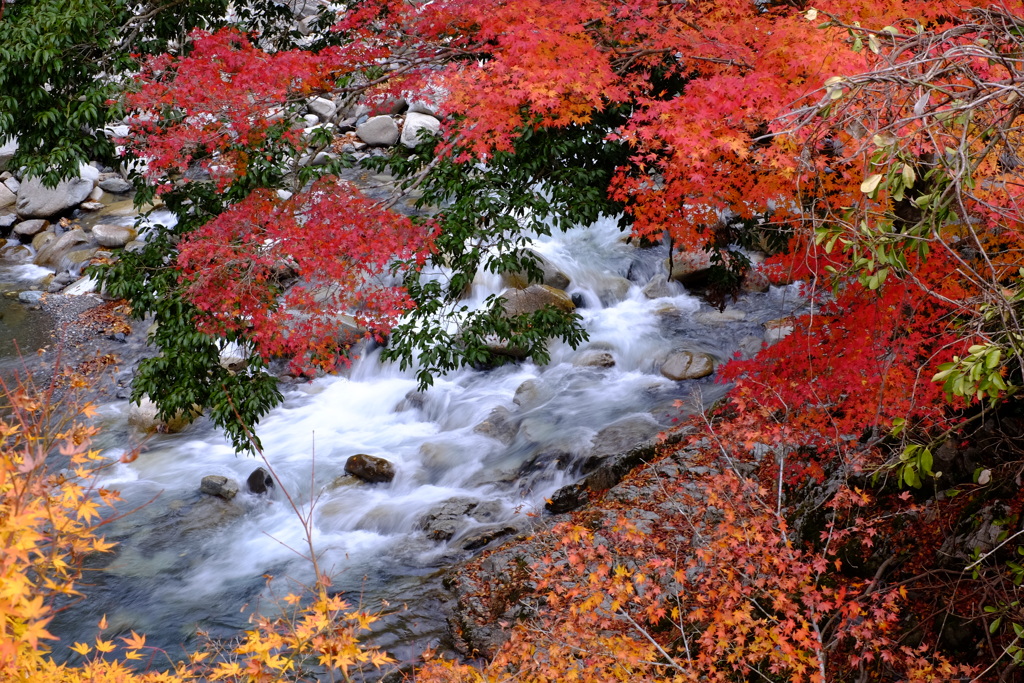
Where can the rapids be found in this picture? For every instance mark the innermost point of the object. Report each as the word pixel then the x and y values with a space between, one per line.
pixel 188 563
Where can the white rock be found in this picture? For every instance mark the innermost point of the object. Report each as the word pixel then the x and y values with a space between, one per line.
pixel 13 184
pixel 322 107
pixel 96 194
pixel 89 172
pixel 415 123
pixel 86 285
pixel 378 130
pixel 6 196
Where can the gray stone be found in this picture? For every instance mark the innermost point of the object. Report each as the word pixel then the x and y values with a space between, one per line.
pixel 52 255
pixel 77 256
pixel 378 131
pixel 612 289
pixel 594 358
pixel 42 239
pixel 444 520
pixel 323 108
pixel 535 298
pixel 31 227
pixel 216 485
pixel 688 365
pixel 716 317
pixel 7 150
pixel 415 125
pixel 37 201
pixel 7 197
pixel 624 434
pixel 30 296
pixel 370 468
pixel 12 184
pixel 498 425
pixel 532 394
pixel 7 220
pixel 660 287
pixel 427 100
pixel 96 195
pixel 111 235
pixel 91 206
pixel 484 536
pixel 116 185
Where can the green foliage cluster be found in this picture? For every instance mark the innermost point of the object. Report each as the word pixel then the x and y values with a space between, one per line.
pixel 488 213
pixel 63 64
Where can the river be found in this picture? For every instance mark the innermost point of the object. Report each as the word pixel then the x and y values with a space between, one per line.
pixel 188 563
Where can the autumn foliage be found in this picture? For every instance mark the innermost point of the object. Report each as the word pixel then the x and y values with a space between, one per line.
pixel 876 142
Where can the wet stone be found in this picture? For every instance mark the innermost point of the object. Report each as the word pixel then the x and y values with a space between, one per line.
pixel 217 485
pixel 259 481
pixel 370 468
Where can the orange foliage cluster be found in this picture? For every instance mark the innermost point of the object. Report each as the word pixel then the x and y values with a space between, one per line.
pixel 51 513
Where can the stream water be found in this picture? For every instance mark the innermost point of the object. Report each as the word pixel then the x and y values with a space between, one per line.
pixel 187 563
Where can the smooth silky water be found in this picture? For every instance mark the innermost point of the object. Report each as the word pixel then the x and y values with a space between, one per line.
pixel 187 563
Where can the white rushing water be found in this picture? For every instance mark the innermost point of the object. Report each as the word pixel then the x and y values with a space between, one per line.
pixel 188 562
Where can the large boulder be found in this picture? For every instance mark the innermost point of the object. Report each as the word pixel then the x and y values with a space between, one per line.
pixel 660 287
pixel 370 468
pixel 35 200
pixel 52 255
pixel 415 124
pixel 380 131
pixel 688 365
pixel 535 298
pixel 7 197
